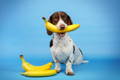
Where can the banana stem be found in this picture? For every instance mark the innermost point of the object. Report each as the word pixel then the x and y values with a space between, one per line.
pixel 44 19
pixel 22 73
pixel 22 58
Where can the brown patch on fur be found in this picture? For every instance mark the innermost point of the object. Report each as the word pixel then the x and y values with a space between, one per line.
pixel 49 32
pixel 51 43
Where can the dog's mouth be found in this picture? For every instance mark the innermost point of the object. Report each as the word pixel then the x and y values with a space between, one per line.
pixel 61 34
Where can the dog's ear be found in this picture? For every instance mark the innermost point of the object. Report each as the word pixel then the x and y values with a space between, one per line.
pixel 69 21
pixel 49 32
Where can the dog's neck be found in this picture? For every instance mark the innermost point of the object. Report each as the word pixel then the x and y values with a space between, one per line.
pixel 61 40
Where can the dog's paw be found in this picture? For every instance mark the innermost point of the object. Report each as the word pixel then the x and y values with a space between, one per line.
pixel 58 69
pixel 85 61
pixel 70 73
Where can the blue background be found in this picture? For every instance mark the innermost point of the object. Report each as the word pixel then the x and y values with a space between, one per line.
pixel 22 32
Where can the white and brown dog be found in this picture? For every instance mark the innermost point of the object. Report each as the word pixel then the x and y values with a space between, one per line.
pixel 62 47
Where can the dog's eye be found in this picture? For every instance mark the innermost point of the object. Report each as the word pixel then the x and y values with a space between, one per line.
pixel 55 21
pixel 64 17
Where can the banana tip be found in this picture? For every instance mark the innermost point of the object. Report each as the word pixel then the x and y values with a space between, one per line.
pixel 43 18
pixel 22 73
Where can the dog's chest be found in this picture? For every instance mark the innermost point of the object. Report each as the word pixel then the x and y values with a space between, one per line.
pixel 62 49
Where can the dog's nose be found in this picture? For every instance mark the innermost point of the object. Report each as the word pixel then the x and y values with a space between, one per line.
pixel 62 27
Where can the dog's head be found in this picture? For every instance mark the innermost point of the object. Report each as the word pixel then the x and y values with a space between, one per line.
pixel 61 20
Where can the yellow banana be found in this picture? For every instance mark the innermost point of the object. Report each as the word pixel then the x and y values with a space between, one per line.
pixel 53 28
pixel 39 73
pixel 29 67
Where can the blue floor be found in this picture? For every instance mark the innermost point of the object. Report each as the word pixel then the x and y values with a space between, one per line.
pixel 96 69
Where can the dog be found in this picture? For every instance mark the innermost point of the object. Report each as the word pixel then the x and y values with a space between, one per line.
pixel 62 47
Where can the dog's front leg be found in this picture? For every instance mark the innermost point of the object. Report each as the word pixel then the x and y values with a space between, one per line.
pixel 57 63
pixel 69 70
pixel 57 66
